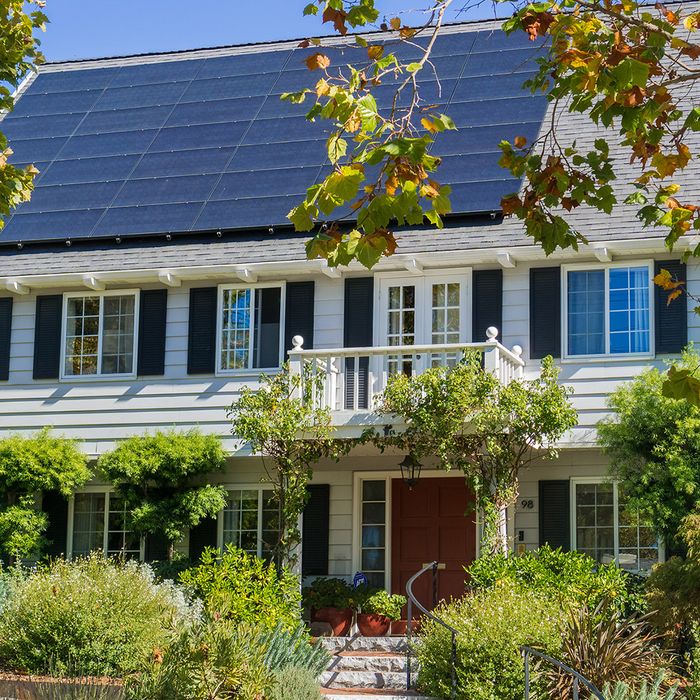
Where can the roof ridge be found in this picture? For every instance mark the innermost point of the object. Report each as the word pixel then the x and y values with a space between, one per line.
pixel 233 49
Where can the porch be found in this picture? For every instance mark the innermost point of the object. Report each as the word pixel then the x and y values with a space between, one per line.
pixel 348 380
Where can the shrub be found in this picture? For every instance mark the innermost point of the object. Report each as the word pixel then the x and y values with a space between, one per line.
pixel 573 578
pixel 96 615
pixel 245 589
pixel 328 593
pixel 83 688
pixel 216 658
pixel 492 625
pixel 606 648
pixel 284 649
pixel 647 691
pixel 294 684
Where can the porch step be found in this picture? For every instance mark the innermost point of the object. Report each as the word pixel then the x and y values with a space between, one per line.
pixel 369 694
pixel 363 679
pixel 377 662
pixel 358 643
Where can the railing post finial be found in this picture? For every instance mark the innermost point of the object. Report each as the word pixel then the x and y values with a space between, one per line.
pixel 298 342
pixel 517 350
pixel 491 334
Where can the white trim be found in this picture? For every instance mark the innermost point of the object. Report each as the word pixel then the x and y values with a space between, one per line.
pixel 388 476
pixel 106 491
pixel 282 286
pixel 573 483
pixel 136 293
pixel 607 356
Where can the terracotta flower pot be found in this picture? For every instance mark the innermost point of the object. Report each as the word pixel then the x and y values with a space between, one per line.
pixel 400 627
pixel 373 625
pixel 339 619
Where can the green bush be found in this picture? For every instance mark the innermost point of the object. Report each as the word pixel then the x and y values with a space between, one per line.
pixel 648 691
pixel 328 593
pixel 94 615
pixel 376 601
pixel 285 649
pixel 244 588
pixel 492 625
pixel 573 578
pixel 216 658
pixel 294 684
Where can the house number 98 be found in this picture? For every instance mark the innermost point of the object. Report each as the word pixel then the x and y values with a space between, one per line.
pixel 527 504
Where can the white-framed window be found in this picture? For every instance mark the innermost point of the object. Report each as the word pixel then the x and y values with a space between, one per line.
pixel 100 521
pixel 250 520
pixel 99 334
pixel 249 328
pixel 605 529
pixel 608 310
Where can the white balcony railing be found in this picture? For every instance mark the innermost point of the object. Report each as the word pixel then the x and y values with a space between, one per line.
pixel 351 378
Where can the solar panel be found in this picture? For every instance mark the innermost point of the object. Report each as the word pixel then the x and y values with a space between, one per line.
pixel 188 144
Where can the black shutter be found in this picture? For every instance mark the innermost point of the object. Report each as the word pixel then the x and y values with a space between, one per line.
pixel 157 546
pixel 299 314
pixel 153 308
pixel 358 332
pixel 671 324
pixel 555 514
pixel 545 312
pixel 55 505
pixel 487 302
pixel 47 336
pixel 202 536
pixel 314 537
pixel 5 334
pixel 201 341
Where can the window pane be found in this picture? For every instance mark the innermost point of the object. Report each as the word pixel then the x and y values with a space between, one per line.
pixel 118 335
pixel 373 552
pixel 81 340
pixel 266 341
pixel 88 523
pixel 586 312
pixel 236 327
pixel 629 310
pixel 121 540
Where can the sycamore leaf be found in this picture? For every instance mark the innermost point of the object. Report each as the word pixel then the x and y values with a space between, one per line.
pixel 317 61
pixel 395 23
pixel 682 385
pixel 375 51
pixel 311 9
pixel 337 148
pixel 302 216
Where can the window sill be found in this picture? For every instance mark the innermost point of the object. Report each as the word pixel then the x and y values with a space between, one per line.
pixel 244 373
pixel 599 359
pixel 83 378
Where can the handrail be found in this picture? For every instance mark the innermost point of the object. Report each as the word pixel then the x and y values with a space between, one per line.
pixel 412 600
pixel 529 651
pixel 436 348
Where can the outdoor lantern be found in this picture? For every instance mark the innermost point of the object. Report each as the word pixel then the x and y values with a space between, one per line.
pixel 410 470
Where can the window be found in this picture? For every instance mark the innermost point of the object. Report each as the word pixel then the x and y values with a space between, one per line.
pixel 100 521
pixel 249 327
pixel 607 530
pixel 99 334
pixel 608 310
pixel 250 521
pixel 373 545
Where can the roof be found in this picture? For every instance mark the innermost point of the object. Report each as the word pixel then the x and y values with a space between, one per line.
pixel 200 141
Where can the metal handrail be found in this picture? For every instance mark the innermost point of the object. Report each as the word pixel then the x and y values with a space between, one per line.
pixel 578 678
pixel 412 600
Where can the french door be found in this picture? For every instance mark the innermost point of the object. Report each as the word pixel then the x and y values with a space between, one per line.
pixel 430 310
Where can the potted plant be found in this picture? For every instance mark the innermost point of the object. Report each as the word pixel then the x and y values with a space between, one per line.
pixel 378 609
pixel 329 600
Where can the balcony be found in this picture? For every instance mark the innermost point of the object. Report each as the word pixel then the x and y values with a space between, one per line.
pixel 352 378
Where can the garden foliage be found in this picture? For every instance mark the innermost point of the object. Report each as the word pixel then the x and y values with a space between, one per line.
pixel 294 684
pixel 245 589
pixel 492 625
pixel 572 578
pixel 95 615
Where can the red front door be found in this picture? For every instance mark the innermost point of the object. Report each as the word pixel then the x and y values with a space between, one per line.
pixel 434 521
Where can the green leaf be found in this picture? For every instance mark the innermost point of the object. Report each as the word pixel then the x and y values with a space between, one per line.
pixel 337 148
pixel 311 9
pixel 681 384
pixel 413 67
pixel 302 216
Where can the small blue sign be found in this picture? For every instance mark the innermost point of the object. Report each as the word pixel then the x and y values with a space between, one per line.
pixel 359 579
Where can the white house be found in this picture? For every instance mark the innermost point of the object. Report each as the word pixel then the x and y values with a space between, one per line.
pixel 153 274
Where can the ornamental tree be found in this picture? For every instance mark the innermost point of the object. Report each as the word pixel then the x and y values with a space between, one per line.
pixel 653 442
pixel 628 66
pixel 463 416
pixel 158 476
pixel 282 423
pixel 19 54
pixel 31 466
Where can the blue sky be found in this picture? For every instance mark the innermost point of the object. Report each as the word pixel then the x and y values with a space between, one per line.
pixel 89 28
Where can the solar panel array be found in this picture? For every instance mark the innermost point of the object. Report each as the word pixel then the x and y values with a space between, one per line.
pixel 202 144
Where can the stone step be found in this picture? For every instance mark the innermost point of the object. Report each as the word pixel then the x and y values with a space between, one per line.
pixel 371 694
pixel 359 643
pixel 368 661
pixel 363 679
